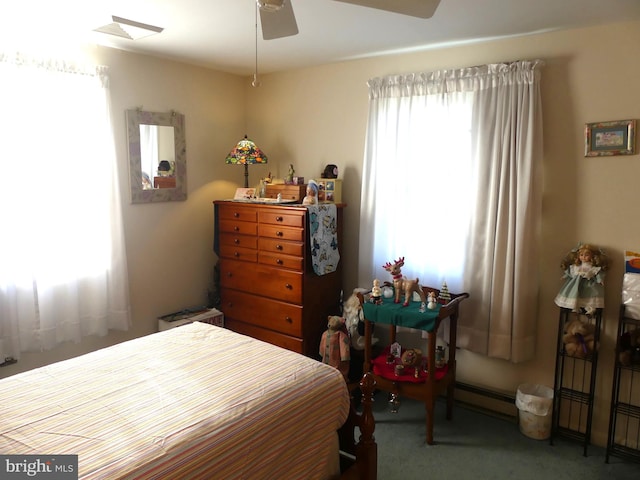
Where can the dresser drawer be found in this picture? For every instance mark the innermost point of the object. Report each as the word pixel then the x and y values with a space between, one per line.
pixel 263 312
pixel 238 227
pixel 283 233
pixel 290 218
pixel 239 253
pixel 279 246
pixel 275 283
pixel 281 260
pixel 233 239
pixel 285 341
pixel 231 211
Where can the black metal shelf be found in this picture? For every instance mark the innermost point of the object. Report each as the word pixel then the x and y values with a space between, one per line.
pixel 574 384
pixel 624 420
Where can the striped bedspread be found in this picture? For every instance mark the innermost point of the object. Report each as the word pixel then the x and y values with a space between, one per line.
pixel 197 401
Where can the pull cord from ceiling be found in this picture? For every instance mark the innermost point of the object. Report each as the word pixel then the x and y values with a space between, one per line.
pixel 256 82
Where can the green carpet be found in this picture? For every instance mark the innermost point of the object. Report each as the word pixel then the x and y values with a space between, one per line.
pixel 480 446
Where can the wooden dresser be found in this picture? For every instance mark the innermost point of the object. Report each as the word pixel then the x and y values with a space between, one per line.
pixel 268 288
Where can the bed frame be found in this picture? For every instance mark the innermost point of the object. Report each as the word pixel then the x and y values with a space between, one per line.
pixel 359 460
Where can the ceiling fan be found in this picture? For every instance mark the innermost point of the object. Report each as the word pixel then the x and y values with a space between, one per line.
pixel 278 20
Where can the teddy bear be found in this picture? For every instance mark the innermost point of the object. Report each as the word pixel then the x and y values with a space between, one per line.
pixel 334 345
pixel 579 338
pixel 629 347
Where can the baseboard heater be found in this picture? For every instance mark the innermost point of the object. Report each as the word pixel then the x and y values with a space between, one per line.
pixel 510 413
pixel 485 392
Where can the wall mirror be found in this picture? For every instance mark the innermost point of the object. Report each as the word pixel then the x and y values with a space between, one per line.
pixel 157 156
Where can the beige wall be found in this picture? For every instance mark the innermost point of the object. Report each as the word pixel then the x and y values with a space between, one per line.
pixel 315 116
pixel 318 115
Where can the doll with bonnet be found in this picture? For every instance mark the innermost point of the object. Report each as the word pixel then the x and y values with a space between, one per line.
pixel 312 194
pixel 584 270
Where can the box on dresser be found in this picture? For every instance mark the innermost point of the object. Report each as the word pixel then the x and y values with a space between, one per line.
pixel 268 287
pixel 287 191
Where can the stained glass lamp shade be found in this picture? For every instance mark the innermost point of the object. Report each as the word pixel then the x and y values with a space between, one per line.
pixel 246 153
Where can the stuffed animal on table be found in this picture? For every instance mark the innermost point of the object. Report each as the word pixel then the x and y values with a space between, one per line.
pixel 334 345
pixel 412 358
pixel 579 338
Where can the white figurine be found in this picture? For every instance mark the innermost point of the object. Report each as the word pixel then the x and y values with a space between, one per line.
pixel 376 292
pixel 431 301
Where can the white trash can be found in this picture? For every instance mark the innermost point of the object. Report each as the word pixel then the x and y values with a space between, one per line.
pixel 535 406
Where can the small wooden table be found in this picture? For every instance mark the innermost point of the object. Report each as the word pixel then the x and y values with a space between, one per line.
pixel 428 384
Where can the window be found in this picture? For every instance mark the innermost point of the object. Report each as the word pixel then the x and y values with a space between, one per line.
pixel 63 266
pixel 451 183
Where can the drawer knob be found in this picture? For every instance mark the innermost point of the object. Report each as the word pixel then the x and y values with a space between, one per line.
pixel 279 234
pixel 236 215
pixel 229 274
pixel 236 229
pixel 288 319
pixel 236 241
pixel 236 254
pixel 279 219
pixel 279 247
pixel 288 286
pixel 279 262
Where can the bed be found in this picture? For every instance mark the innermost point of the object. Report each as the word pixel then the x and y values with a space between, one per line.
pixel 197 401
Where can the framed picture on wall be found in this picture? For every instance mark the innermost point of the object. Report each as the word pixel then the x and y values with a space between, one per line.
pixel 610 138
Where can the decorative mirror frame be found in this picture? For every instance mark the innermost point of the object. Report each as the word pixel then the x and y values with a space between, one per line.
pixel 138 117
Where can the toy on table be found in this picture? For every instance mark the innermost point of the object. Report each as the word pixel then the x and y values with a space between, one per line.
pixel 444 296
pixel 584 270
pixel 403 284
pixel 334 345
pixel 412 358
pixel 579 338
pixel 311 198
pixel 431 301
pixel 354 319
pixel 376 293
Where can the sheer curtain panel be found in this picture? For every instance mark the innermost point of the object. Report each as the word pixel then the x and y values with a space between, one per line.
pixel 63 268
pixel 451 182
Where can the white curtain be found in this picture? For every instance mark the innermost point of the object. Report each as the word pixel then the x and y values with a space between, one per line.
pixel 451 182
pixel 62 260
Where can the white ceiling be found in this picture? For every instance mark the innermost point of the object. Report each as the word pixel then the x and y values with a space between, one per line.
pixel 220 34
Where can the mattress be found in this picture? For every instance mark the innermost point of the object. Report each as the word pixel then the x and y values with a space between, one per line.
pixel 197 401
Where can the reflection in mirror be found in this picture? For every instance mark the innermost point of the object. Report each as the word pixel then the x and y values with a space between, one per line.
pixel 157 156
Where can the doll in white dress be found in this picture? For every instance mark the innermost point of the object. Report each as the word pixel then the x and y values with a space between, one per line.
pixel 584 271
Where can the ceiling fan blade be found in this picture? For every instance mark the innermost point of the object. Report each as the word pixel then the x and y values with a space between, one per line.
pixel 278 24
pixel 413 8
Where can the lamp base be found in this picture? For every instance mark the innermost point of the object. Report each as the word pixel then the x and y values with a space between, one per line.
pixel 246 175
